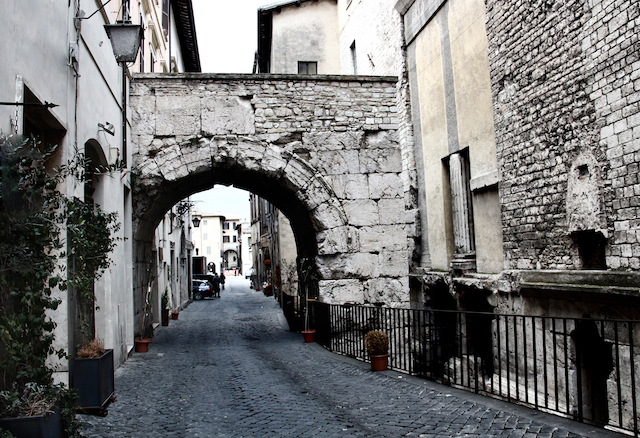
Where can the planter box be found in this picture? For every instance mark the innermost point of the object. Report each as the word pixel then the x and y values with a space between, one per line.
pixel 165 317
pixel 40 426
pixel 93 379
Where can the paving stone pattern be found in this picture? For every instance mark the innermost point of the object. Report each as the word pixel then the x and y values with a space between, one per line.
pixel 229 368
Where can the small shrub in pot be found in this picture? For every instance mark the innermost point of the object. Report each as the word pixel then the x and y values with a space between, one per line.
pixel 376 343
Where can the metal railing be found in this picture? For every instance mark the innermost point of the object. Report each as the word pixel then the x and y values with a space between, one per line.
pixel 583 369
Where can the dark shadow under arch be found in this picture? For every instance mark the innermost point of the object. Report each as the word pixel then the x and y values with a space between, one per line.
pixel 273 190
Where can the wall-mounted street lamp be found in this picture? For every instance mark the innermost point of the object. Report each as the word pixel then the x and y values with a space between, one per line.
pixel 196 221
pixel 125 40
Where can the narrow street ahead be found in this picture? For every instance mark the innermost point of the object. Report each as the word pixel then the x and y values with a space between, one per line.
pixel 229 368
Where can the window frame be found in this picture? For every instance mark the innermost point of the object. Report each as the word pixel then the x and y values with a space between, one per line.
pixel 306 65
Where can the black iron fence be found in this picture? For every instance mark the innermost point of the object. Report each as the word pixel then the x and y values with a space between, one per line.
pixel 584 369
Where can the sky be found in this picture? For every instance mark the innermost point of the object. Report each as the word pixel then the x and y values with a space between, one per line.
pixel 227 41
pixel 227 34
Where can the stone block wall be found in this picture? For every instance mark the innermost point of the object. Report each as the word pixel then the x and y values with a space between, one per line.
pixel 376 28
pixel 324 150
pixel 566 86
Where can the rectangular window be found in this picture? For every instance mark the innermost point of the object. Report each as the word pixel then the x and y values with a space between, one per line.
pixel 208 250
pixel 307 67
pixel 204 236
pixel 165 17
pixel 225 226
pixel 354 58
pixel 225 239
pixel 204 222
pixel 141 49
pixel 235 239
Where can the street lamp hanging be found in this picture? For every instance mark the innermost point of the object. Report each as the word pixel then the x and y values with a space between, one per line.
pixel 196 222
pixel 125 40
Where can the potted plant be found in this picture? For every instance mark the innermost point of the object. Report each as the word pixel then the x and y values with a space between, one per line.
pixel 165 307
pixel 142 344
pixel 31 210
pixel 175 314
pixel 35 414
pixel 377 344
pixel 142 341
pixel 90 235
pixel 93 376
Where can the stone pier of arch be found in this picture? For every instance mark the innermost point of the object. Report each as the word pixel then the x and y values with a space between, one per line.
pixel 323 149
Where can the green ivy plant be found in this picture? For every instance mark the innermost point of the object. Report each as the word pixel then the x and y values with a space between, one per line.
pixel 90 235
pixel 29 246
pixel 32 213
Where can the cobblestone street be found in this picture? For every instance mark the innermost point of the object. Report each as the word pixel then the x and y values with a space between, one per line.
pixel 230 368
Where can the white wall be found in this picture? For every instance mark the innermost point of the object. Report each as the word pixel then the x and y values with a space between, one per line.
pixel 308 32
pixel 34 42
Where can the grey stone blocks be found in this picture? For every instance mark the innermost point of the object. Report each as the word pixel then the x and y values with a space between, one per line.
pixel 332 143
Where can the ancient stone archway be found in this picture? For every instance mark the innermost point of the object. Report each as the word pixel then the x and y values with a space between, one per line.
pixel 323 149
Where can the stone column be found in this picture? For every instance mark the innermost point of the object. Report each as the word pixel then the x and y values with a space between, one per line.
pixel 465 256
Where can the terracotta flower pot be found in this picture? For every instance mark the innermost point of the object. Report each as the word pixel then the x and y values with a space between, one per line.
pixel 174 315
pixel 308 335
pixel 379 363
pixel 142 345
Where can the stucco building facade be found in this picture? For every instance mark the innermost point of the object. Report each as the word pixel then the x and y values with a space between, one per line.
pixel 520 132
pixel 59 52
pixel 513 169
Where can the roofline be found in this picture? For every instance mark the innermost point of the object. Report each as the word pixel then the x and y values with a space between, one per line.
pixel 284 4
pixel 186 28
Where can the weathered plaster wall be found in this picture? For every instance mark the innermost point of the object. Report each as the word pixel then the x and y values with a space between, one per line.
pixel 36 56
pixel 451 97
pixel 323 149
pixel 305 32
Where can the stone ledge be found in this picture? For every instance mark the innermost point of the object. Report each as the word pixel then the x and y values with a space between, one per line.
pixel 594 278
pixel 262 77
pixel 607 286
pixel 484 181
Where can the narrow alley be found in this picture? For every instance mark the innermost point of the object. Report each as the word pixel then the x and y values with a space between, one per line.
pixel 228 367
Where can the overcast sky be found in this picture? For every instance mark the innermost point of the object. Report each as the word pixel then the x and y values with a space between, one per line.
pixel 227 34
pixel 227 41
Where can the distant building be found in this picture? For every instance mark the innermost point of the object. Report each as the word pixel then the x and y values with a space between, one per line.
pixel 298 37
pixel 231 247
pixel 207 241
pixel 246 251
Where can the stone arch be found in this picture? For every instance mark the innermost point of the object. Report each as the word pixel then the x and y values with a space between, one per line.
pixel 324 150
pixel 172 171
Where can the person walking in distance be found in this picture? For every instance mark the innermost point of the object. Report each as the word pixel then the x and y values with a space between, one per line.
pixel 216 285
pixel 222 279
